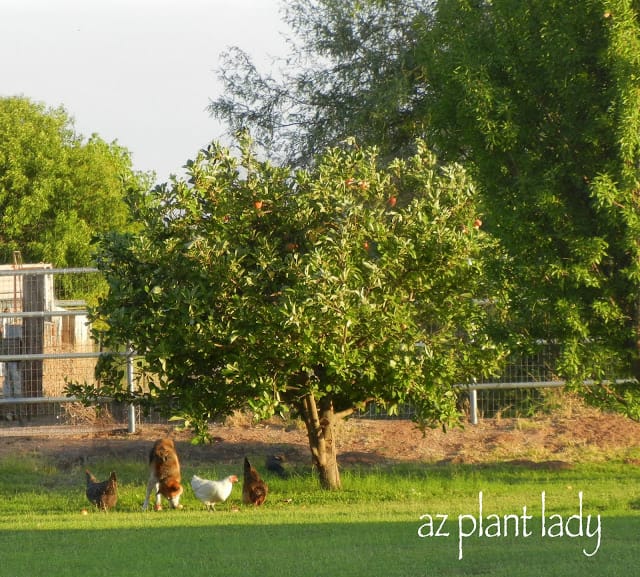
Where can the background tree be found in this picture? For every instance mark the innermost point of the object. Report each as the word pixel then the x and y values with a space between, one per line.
pixel 311 292
pixel 57 189
pixel 352 71
pixel 541 100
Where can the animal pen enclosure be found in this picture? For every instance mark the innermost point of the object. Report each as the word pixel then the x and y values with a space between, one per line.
pixel 46 339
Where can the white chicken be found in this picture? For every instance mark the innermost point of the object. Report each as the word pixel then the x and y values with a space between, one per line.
pixel 212 492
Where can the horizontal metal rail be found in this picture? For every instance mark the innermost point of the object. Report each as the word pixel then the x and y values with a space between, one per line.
pixel 72 304
pixel 515 385
pixel 46 356
pixel 36 400
pixel 43 271
pixel 535 384
pixel 43 314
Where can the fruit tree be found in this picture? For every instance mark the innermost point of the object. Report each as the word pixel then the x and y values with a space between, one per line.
pixel 310 291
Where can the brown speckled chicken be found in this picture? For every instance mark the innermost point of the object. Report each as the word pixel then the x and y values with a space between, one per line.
pixel 254 489
pixel 103 494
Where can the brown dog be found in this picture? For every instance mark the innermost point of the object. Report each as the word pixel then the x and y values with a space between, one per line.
pixel 164 475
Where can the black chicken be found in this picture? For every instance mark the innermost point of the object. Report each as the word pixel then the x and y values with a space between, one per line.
pixel 103 494
pixel 275 464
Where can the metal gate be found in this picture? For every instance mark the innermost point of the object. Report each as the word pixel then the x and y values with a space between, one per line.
pixel 46 341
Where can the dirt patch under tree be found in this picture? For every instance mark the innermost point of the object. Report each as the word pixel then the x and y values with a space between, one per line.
pixel 576 433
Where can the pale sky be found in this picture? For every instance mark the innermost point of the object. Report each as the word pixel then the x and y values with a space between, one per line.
pixel 141 72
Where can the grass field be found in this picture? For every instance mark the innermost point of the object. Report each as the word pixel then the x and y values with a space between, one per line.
pixel 386 521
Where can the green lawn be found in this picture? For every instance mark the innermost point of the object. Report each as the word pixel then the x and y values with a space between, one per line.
pixel 370 528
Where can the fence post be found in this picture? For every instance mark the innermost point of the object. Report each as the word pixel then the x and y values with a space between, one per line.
pixel 132 407
pixel 473 403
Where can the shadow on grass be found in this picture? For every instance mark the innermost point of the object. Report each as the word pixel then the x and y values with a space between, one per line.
pixel 305 549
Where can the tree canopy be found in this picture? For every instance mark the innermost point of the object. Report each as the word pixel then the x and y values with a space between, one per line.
pixel 541 100
pixel 352 72
pixel 57 189
pixel 313 291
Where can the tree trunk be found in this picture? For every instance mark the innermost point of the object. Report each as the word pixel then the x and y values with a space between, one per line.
pixel 320 419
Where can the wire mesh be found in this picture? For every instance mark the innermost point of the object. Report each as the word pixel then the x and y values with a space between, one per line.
pixel 44 328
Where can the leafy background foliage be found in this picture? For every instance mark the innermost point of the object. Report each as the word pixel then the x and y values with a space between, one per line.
pixel 58 189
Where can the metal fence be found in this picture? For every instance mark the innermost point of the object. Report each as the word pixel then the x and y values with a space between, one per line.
pixel 46 342
pixel 526 386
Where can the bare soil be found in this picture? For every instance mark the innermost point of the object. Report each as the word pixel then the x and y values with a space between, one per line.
pixel 554 441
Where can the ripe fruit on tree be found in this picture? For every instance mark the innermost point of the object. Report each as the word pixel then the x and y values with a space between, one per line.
pixel 257 204
pixel 392 201
pixel 477 223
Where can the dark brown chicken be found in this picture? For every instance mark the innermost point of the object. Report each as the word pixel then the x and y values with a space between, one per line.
pixel 103 494
pixel 254 489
